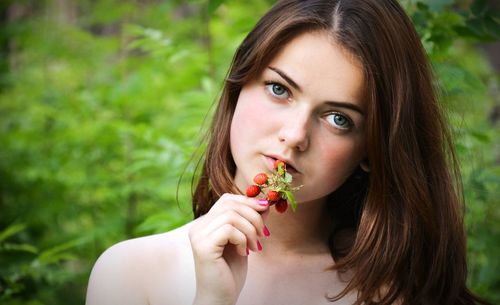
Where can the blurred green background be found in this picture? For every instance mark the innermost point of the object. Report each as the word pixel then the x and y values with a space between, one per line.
pixel 103 105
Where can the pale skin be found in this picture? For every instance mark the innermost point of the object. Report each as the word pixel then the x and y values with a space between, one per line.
pixel 311 95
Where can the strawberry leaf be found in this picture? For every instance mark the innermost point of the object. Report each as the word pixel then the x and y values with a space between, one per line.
pixel 280 181
pixel 291 200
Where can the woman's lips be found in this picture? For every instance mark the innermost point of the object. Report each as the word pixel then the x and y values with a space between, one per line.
pixel 291 169
pixel 270 165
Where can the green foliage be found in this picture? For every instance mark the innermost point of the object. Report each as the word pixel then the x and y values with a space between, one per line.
pixel 103 107
pixel 469 88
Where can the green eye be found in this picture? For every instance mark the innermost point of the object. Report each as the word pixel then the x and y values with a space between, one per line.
pixel 339 120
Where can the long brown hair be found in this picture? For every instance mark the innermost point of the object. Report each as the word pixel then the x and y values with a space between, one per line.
pixel 408 239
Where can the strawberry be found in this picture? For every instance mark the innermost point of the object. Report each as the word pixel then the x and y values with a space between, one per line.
pixel 253 191
pixel 277 164
pixel 273 196
pixel 278 186
pixel 281 206
pixel 260 179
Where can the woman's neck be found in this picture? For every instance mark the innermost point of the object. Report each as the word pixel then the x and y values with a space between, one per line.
pixel 302 232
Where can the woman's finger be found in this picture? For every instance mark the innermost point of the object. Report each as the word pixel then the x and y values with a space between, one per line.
pixel 229 234
pixel 242 224
pixel 248 208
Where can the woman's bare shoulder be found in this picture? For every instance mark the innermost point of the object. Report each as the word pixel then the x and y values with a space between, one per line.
pixel 127 272
pixel 156 245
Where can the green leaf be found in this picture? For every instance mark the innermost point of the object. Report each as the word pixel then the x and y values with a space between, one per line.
pixel 58 252
pixel 11 230
pixel 291 199
pixel 479 7
pixel 19 247
pixel 439 5
pixel 492 26
pixel 422 6
pixel 288 178
pixel 481 136
pixel 162 222
pixel 213 5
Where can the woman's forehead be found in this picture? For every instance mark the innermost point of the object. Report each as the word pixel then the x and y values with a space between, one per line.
pixel 319 66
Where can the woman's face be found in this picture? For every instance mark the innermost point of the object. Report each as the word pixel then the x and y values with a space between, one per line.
pixel 306 109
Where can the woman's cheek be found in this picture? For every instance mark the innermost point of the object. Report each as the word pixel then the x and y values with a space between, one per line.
pixel 346 157
pixel 335 162
pixel 252 112
pixel 249 122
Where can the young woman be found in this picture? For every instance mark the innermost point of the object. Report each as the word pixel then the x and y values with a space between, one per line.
pixel 342 92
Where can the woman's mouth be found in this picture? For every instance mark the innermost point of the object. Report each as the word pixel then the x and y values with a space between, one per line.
pixel 270 164
pixel 291 169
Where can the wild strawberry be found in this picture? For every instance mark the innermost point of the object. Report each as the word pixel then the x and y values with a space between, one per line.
pixel 277 187
pixel 281 206
pixel 260 179
pixel 277 164
pixel 253 191
pixel 273 196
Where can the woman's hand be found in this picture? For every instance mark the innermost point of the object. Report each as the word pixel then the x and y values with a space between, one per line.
pixel 221 240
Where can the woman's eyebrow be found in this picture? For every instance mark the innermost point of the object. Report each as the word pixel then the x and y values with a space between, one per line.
pixel 287 78
pixel 292 83
pixel 346 105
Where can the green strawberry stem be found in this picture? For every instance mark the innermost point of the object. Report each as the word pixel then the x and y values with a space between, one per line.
pixel 291 199
pixel 281 181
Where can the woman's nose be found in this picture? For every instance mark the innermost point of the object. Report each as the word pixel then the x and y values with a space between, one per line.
pixel 294 132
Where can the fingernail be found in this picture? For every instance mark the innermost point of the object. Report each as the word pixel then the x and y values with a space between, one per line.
pixel 263 202
pixel 266 231
pixel 248 252
pixel 259 246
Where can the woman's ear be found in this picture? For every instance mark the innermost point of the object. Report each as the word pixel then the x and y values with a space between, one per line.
pixel 365 165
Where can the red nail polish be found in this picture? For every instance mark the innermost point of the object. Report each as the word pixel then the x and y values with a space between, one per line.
pixel 266 231
pixel 259 246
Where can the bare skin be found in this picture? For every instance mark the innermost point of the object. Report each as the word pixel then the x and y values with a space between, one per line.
pixel 311 95
pixel 159 269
